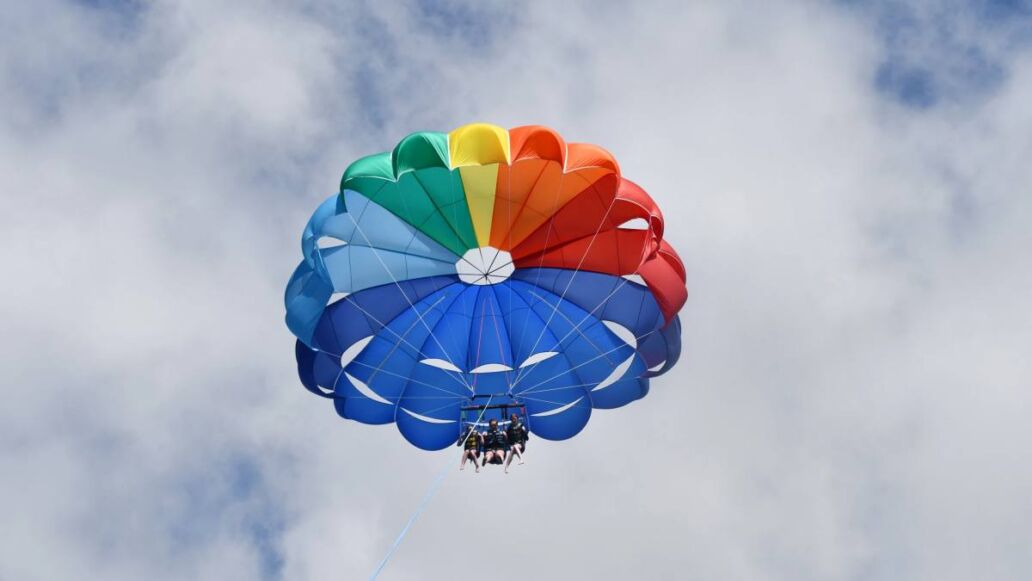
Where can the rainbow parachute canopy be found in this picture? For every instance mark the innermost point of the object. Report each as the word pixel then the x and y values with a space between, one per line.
pixel 484 269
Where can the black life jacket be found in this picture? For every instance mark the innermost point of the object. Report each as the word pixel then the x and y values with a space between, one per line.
pixel 494 439
pixel 472 440
pixel 517 433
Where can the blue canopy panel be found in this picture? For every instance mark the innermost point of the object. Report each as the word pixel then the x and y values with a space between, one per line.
pixel 463 361
pixel 563 407
pixel 378 376
pixel 488 333
pixel 352 249
pixel 365 313
pixel 349 321
pixel 601 357
pixel 617 299
pixel 306 297
pixel 305 368
pixel 417 352
pixel 668 340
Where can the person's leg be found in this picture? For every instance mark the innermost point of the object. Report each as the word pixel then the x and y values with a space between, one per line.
pixel 465 455
pixel 508 458
pixel 517 449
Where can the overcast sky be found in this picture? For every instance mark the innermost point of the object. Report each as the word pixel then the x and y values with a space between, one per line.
pixel 848 184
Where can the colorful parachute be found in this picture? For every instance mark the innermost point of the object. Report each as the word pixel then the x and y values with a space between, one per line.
pixel 485 270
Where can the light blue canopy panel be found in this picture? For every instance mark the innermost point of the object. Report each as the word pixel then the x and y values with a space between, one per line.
pixel 351 244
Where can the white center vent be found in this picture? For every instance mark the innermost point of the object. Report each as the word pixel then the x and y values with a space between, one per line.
pixel 484 265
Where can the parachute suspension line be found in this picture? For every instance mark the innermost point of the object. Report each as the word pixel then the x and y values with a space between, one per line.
pixel 336 381
pixel 508 234
pixel 436 409
pixel 562 296
pixel 408 300
pixel 498 336
pixel 523 205
pixel 480 344
pixel 454 207
pixel 573 276
pixel 451 395
pixel 434 487
pixel 397 398
pixel 548 234
pixel 603 302
pixel 429 198
pixel 543 400
pixel 402 339
pixel 395 347
pixel 456 213
pixel 578 366
pixel 383 325
pixel 401 289
pixel 523 395
pixel 574 327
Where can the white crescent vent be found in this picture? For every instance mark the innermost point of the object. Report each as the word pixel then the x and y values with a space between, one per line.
pixel 623 333
pixel 366 390
pixel 539 357
pixel 557 410
pixel 427 419
pixel 635 224
pixel 329 242
pixel 491 368
pixel 441 364
pixel 353 351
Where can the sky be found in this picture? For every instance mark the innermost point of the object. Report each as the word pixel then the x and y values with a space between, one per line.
pixel 848 184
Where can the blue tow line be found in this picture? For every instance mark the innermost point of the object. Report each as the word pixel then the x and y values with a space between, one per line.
pixel 419 509
pixel 422 505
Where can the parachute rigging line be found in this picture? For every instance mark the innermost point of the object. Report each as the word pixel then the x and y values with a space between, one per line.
pixel 401 289
pixel 576 328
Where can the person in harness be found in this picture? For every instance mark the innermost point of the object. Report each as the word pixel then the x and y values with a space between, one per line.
pixel 495 444
pixel 517 435
pixel 471 447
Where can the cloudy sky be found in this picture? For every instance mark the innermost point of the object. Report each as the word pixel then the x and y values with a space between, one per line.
pixel 847 182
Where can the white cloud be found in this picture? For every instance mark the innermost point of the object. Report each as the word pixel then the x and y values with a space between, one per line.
pixel 849 405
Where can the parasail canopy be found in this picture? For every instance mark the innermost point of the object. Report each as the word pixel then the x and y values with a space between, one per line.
pixel 482 267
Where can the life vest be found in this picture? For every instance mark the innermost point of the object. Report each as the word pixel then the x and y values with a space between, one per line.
pixel 494 439
pixel 517 433
pixel 472 441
